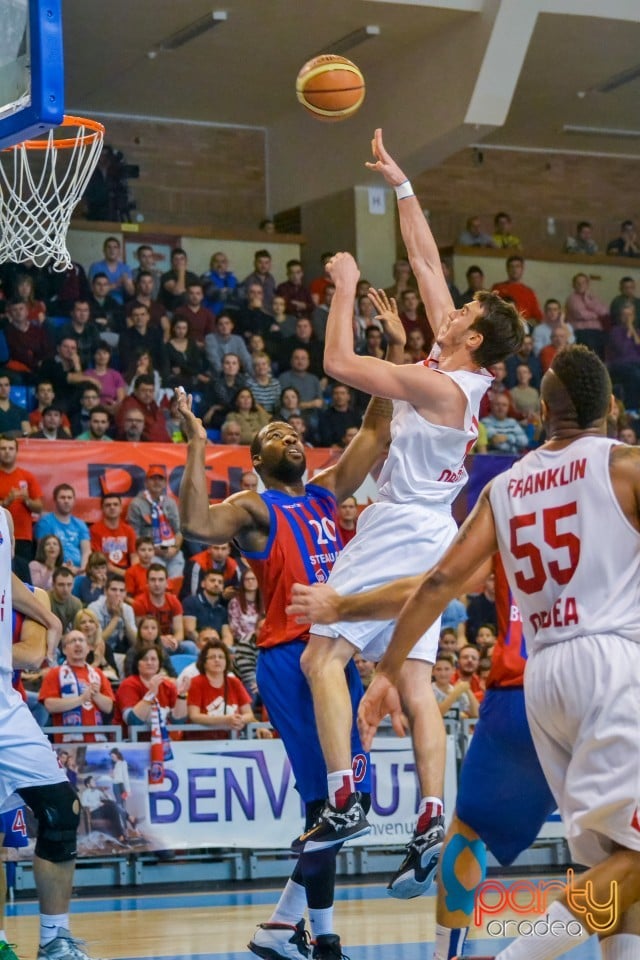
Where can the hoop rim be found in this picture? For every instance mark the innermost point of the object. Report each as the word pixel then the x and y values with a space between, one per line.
pixel 94 131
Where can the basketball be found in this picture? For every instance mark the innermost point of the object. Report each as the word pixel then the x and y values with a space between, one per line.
pixel 330 87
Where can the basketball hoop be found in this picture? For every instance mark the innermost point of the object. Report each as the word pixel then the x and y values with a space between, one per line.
pixel 41 181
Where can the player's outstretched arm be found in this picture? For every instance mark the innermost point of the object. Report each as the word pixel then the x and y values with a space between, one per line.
pixel 26 603
pixel 321 604
pixel 422 249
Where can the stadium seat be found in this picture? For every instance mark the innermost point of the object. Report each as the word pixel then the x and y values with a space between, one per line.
pixel 20 395
pixel 181 660
pixel 214 436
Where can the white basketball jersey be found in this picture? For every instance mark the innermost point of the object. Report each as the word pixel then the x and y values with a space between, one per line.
pixel 571 556
pixel 6 614
pixel 425 464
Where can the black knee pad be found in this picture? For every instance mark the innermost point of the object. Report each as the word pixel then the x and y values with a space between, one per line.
pixel 57 809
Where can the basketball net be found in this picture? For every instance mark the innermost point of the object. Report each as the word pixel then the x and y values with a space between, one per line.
pixel 41 181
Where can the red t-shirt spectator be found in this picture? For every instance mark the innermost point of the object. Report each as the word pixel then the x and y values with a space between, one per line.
pixel 117 544
pixel 143 606
pixel 217 701
pixel 132 690
pixel 474 684
pixel 90 713
pixel 22 518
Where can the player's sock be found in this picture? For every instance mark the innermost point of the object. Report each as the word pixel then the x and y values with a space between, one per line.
pixel 429 808
pixel 340 786
pixel 621 946
pixel 319 872
pixel 49 925
pixel 548 946
pixel 291 905
pixel 449 942
pixel 3 936
pixel 321 922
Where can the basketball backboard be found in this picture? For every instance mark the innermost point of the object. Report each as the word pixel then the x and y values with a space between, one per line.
pixel 31 69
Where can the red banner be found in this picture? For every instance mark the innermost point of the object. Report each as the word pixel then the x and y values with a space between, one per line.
pixel 94 468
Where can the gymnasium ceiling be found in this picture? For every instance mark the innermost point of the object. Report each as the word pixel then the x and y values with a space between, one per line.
pixel 441 75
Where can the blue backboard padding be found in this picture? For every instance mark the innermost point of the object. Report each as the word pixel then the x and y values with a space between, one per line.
pixel 46 109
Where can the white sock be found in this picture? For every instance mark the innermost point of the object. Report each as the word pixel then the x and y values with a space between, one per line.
pixel 621 946
pixel 449 941
pixel 292 904
pixel 339 787
pixel 3 936
pixel 321 921
pixel 49 924
pixel 548 946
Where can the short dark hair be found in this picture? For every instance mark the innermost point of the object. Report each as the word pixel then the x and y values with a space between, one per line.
pixel 213 645
pixel 515 258
pixel 261 253
pixel 96 276
pixel 293 263
pixel 115 578
pixel 145 539
pixel 61 486
pixel 157 566
pixel 586 380
pixel 501 326
pixel 178 250
pixel 111 496
pixel 583 224
pixel 499 215
pixel 61 572
pixel 474 268
pixel 551 300
pixel 144 380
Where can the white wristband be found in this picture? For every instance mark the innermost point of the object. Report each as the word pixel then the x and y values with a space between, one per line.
pixel 404 190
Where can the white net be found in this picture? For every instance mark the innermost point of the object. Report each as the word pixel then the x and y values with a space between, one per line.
pixel 41 181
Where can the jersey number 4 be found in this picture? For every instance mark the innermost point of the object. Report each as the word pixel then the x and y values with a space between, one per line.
pixel 523 548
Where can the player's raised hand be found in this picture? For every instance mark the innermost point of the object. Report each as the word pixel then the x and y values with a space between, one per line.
pixel 313 604
pixel 384 162
pixel 343 270
pixel 381 698
pixel 193 426
pixel 387 314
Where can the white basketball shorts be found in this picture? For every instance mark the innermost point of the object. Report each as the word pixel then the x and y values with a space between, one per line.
pixel 393 540
pixel 583 705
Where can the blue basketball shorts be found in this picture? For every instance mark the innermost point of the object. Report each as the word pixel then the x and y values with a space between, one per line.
pixel 287 697
pixel 13 824
pixel 502 791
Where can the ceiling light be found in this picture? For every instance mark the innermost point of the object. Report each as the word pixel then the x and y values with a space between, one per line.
pixel 351 40
pixel 193 30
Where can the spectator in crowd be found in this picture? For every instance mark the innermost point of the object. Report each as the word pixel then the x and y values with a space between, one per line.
pixel 132 427
pixel 299 376
pixel 372 346
pixel 497 388
pixel 468 660
pixel 200 320
pixel 299 424
pixel 366 669
pixel 262 275
pixel 504 433
pixel 141 364
pixel 364 316
pixel 524 396
pixel 45 397
pixel 105 311
pixel 216 698
pixel 449 643
pixel 83 330
pixel 147 264
pixel 115 615
pixel 147 687
pixel 337 417
pixel 100 655
pixel 560 338
pixel 415 348
pixel 454 617
pixel 412 315
pixel 49 557
pixel 481 608
pixel 624 359
pixel 222 391
pixel 185 359
pixel 475 282
pixel 626 297
pixel 246 608
pixel 90 585
pixel 65 286
pixel 318 285
pixel 303 339
pixel 64 371
pixel 89 398
pixel 453 290
pixel 403 279
pixel 28 343
pixel 14 420
pixel 220 284
pixel 587 315
pixel 174 283
pixel 113 388
pixel 20 494
pixel 283 325
pixel 320 315
pixel 206 609
pixel 289 404
pixel 77 694
pixel 485 640
pixel 263 385
pixel 136 574
pixel 514 289
pixel 156 601
pixel 458 697
pixel 63 604
pixel 147 637
pixel 26 291
pixel 142 336
pixel 51 425
pixel 142 401
pixel 99 425
pixel 625 245
pixel 347 519
pixel 298 298
pixel 503 238
pixel 230 432
pixel 145 297
pixel 628 435
pixel 216 557
pixel 474 236
pixel 583 241
pixel 72 532
pixel 118 273
pixel 249 480
pixel 248 415
pixel 153 513
pixel 112 536
pixel 253 318
pixel 526 354
pixel 551 318
pixel 224 341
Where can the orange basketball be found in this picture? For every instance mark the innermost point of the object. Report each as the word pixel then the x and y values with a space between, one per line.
pixel 330 87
